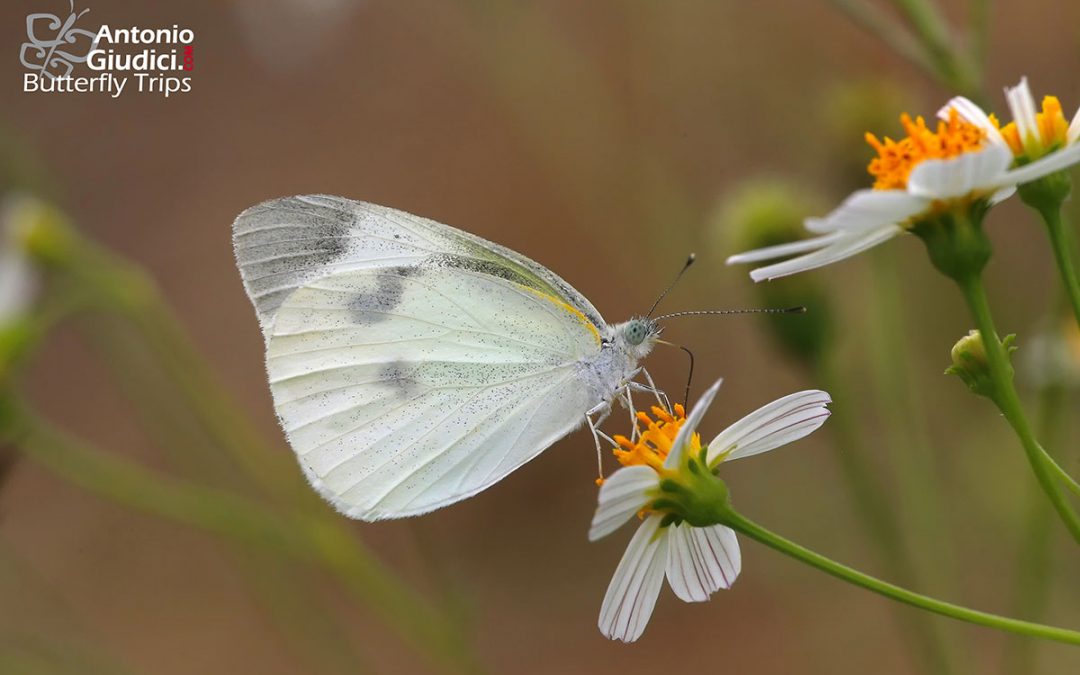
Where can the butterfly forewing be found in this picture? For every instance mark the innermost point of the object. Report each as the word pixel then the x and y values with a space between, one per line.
pixel 285 243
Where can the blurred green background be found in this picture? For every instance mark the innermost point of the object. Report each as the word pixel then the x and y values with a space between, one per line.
pixel 605 140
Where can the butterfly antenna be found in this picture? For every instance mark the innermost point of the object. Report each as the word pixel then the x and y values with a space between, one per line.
pixel 689 261
pixel 766 310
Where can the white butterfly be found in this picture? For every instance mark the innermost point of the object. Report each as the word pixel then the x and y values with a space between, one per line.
pixel 413 365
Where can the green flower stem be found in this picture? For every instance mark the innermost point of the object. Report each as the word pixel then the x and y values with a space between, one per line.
pixel 1061 242
pixel 1007 400
pixel 789 548
pixel 243 521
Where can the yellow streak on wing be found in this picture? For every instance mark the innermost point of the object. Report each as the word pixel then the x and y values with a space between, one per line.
pixel 573 312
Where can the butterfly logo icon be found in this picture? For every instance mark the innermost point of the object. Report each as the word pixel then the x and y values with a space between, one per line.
pixel 56 56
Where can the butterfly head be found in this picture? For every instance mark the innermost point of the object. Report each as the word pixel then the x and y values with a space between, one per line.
pixel 637 336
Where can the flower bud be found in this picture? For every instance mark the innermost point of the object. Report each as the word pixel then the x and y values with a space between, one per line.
pixel 970 363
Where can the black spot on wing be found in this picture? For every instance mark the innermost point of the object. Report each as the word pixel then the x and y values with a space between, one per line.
pixel 374 305
pixel 401 378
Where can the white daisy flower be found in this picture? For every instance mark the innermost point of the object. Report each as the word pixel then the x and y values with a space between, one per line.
pixel 966 159
pixel 697 561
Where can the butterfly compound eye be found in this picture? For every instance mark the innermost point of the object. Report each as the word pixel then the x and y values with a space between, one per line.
pixel 635 332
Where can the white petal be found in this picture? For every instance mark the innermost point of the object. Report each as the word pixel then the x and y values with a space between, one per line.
pixel 844 248
pixel 632 593
pixel 718 550
pixel 1002 194
pixel 685 572
pixel 865 219
pixel 701 560
pixel 1022 106
pixel 1048 164
pixel 686 431
pixel 960 176
pixel 621 496
pixel 869 209
pixel 1073 134
pixel 781 250
pixel 778 423
pixel 973 114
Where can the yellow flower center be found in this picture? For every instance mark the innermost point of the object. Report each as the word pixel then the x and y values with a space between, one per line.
pixel 1052 128
pixel 655 439
pixel 896 159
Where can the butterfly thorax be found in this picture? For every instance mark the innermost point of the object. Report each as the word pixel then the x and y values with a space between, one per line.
pixel 622 347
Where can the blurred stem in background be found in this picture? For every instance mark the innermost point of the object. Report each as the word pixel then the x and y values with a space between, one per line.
pixel 928 41
pixel 953 66
pixel 1061 242
pixel 883 27
pixel 910 449
pixel 86 277
pixel 979 39
pixel 766 212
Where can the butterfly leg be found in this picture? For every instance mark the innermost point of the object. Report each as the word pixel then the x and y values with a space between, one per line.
pixel 660 396
pixel 650 388
pixel 625 394
pixel 601 410
pixel 628 399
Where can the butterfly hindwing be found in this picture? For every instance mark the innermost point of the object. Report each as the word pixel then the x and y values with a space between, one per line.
pixel 409 387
